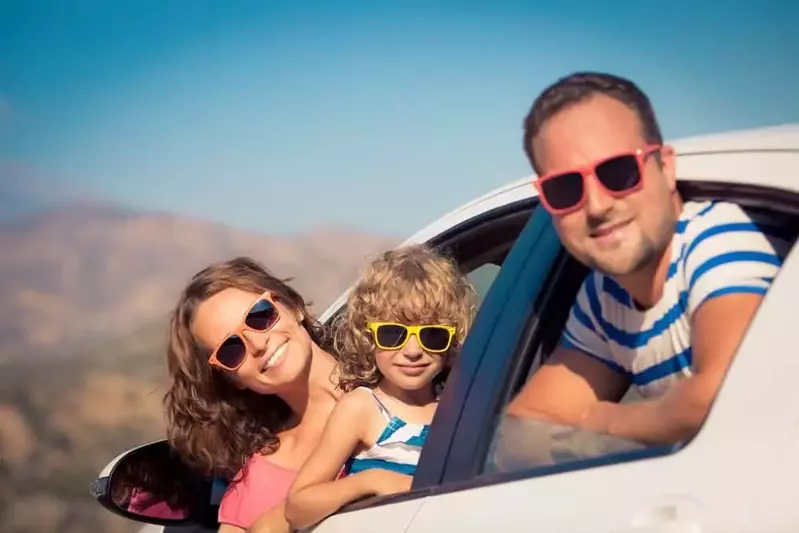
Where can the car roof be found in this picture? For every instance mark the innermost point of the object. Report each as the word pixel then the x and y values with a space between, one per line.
pixel 769 139
pixel 779 137
pixel 758 156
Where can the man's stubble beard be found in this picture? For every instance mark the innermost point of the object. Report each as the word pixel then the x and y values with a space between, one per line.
pixel 648 255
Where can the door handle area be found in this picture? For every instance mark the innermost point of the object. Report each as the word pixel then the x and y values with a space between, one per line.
pixel 679 515
pixel 671 527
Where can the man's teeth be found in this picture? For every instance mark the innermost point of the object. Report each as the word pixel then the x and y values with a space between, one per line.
pixel 277 356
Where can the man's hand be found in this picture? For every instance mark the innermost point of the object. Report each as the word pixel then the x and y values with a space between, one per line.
pixel 566 386
pixel 516 445
pixel 523 443
pixel 718 328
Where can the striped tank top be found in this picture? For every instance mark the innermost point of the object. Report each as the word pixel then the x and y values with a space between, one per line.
pixel 397 448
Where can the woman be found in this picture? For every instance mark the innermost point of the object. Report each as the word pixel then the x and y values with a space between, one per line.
pixel 251 387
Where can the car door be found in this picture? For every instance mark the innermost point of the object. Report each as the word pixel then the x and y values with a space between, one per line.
pixel 479 245
pixel 478 237
pixel 739 466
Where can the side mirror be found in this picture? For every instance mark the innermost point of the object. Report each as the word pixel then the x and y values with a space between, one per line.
pixel 152 484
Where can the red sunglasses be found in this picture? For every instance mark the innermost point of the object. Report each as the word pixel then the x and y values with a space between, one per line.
pixel 619 175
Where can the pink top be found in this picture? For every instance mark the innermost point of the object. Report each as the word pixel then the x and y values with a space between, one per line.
pixel 262 487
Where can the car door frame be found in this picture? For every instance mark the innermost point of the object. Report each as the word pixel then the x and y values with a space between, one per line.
pixel 518 325
pixel 696 487
pixel 459 241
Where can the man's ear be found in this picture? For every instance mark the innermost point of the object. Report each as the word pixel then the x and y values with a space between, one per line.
pixel 668 164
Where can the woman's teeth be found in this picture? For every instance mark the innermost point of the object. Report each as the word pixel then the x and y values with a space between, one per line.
pixel 276 357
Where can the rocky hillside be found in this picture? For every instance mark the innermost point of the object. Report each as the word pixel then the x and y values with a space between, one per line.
pixel 83 295
pixel 92 271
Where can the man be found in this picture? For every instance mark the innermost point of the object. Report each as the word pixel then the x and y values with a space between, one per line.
pixel 673 284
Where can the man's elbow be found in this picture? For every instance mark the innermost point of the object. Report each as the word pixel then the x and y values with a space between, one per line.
pixel 689 414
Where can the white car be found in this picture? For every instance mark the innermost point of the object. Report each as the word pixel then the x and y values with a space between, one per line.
pixel 739 474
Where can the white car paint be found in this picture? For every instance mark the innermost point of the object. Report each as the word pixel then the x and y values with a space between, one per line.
pixel 739 475
pixel 693 490
pixel 719 156
pixel 507 194
pixel 723 480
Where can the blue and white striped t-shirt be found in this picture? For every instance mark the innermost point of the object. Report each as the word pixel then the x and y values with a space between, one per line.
pixel 718 248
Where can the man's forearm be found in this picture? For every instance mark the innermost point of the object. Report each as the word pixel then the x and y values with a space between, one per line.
pixel 675 417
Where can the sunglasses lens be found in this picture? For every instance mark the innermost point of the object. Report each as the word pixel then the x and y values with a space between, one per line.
pixel 232 352
pixel 434 338
pixel 620 173
pixel 391 335
pixel 563 191
pixel 262 316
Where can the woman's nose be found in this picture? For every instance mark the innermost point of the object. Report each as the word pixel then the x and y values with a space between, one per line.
pixel 256 341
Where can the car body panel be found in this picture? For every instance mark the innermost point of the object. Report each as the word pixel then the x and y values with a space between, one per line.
pixel 728 478
pixel 621 497
pixel 388 518
pixel 503 196
pixel 106 471
pixel 759 156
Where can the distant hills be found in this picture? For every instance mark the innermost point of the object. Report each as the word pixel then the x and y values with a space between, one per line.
pixel 89 270
pixel 84 290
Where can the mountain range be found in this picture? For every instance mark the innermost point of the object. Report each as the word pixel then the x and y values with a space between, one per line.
pixel 84 293
pixel 89 270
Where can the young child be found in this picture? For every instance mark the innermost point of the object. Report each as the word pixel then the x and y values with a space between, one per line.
pixel 404 322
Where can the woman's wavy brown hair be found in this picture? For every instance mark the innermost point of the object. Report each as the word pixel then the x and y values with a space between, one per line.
pixel 413 284
pixel 214 425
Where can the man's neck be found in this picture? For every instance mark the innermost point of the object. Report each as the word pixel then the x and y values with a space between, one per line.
pixel 645 286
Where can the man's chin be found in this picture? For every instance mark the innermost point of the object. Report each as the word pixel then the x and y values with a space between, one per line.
pixel 618 265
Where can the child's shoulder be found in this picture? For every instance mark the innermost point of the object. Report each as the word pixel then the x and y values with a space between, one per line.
pixel 357 400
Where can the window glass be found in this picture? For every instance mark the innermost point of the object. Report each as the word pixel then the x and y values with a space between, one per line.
pixel 523 443
pixel 527 443
pixel 483 277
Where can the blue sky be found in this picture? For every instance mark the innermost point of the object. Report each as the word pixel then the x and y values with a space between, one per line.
pixel 282 116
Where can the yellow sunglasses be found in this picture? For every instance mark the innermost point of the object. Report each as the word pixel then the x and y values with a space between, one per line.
pixel 433 338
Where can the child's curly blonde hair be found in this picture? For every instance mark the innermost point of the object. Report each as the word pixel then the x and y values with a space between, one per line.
pixel 412 284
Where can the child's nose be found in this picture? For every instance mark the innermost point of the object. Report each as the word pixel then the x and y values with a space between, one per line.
pixel 413 349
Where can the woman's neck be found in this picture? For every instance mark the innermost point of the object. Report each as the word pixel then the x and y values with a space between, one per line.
pixel 316 386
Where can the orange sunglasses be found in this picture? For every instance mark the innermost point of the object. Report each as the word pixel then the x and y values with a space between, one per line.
pixel 231 353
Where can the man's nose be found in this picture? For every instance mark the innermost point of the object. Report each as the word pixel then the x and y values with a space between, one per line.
pixel 597 200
